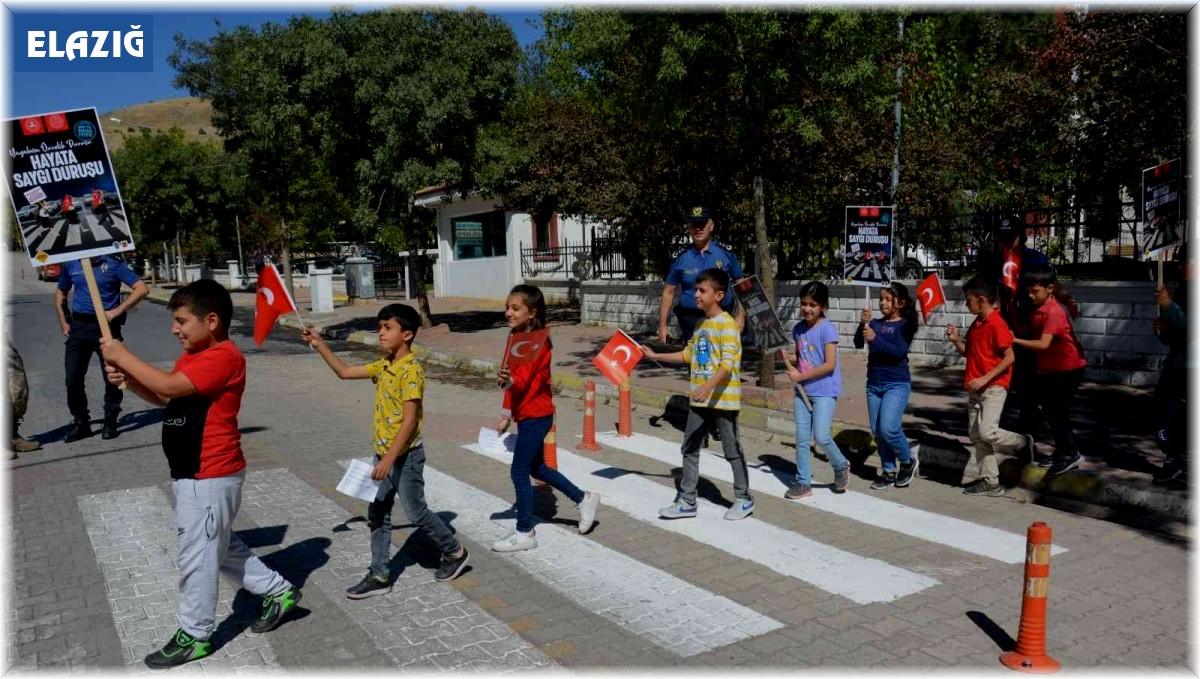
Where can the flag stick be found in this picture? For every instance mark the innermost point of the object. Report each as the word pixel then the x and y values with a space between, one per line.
pixel 638 344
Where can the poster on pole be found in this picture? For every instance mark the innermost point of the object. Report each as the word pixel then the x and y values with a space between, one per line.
pixel 760 316
pixel 868 247
pixel 1161 208
pixel 61 183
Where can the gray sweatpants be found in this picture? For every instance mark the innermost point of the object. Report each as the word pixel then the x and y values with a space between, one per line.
pixel 204 514
pixel 700 423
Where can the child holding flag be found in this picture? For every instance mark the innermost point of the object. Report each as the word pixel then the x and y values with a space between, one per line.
pixel 399 451
pixel 202 396
pixel 715 355
pixel 889 383
pixel 525 377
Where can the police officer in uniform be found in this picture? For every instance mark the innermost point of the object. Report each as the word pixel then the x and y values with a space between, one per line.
pixel 82 331
pixel 705 253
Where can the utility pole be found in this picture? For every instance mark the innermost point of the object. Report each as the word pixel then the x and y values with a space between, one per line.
pixel 898 255
pixel 241 262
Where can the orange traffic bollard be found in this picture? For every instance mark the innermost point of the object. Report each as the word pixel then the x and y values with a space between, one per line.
pixel 1030 655
pixel 625 415
pixel 589 419
pixel 549 454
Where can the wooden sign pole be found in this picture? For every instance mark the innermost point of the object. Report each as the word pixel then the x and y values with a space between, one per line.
pixel 97 303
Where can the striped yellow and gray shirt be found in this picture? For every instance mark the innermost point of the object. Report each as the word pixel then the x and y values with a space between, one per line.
pixel 717 344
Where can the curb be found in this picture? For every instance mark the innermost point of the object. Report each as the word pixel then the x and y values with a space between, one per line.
pixel 1138 496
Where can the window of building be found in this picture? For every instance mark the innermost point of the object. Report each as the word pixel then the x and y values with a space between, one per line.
pixel 479 235
pixel 545 235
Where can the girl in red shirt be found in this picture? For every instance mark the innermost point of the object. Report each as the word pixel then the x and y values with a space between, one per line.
pixel 528 401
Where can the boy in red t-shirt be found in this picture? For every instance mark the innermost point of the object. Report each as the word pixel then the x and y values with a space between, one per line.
pixel 989 354
pixel 202 396
pixel 1060 363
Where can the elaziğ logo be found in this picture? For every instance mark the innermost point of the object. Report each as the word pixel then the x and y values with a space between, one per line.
pixel 90 43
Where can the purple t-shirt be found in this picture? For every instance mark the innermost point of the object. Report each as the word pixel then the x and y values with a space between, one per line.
pixel 810 350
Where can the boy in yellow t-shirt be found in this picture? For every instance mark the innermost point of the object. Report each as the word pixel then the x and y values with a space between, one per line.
pixel 399 392
pixel 715 356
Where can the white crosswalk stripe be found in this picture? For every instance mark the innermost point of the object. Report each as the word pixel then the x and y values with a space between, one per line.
pixel 133 536
pixel 860 579
pixel 967 536
pixel 647 601
pixel 422 622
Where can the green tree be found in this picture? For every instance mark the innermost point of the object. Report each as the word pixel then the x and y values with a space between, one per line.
pixel 394 100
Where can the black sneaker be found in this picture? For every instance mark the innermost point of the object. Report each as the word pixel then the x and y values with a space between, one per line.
pixel 451 567
pixel 1029 451
pixel 984 488
pixel 1171 470
pixel 886 480
pixel 369 586
pixel 80 430
pixel 275 609
pixel 841 478
pixel 182 648
pixel 1064 464
pixel 908 470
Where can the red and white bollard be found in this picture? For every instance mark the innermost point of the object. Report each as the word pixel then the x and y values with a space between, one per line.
pixel 625 416
pixel 588 444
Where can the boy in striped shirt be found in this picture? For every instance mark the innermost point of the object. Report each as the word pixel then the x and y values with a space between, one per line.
pixel 715 356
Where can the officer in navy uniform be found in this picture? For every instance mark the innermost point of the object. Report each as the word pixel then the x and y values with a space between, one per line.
pixel 705 253
pixel 82 331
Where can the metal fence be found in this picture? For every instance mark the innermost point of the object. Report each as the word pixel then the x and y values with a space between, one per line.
pixel 1095 241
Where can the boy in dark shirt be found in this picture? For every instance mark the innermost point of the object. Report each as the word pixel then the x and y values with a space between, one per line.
pixel 202 396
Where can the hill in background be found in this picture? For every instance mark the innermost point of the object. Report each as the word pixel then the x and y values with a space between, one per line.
pixel 192 115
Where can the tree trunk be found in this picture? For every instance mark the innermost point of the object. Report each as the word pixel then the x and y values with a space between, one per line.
pixel 766 272
pixel 286 254
pixel 420 261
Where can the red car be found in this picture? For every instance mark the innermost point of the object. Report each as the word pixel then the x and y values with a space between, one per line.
pixel 49 272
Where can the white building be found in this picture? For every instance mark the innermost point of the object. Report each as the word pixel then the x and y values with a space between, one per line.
pixel 479 244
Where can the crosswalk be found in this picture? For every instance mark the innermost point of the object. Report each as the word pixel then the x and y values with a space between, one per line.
pixel 966 536
pixel 426 624
pixel 86 233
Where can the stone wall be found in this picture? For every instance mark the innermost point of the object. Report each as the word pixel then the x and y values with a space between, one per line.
pixel 1115 325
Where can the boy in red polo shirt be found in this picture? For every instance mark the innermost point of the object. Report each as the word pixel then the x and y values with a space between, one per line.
pixel 988 350
pixel 1060 363
pixel 202 396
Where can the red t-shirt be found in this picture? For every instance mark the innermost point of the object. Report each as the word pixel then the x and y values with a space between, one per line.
pixel 530 395
pixel 200 431
pixel 1064 353
pixel 987 340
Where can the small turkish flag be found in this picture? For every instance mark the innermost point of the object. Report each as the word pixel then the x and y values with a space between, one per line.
pixel 618 358
pixel 56 122
pixel 32 126
pixel 523 347
pixel 930 295
pixel 1010 273
pixel 273 300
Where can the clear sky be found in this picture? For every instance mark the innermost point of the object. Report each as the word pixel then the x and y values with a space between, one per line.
pixel 32 93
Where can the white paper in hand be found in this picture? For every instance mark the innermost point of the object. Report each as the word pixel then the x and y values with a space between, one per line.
pixel 490 441
pixel 357 481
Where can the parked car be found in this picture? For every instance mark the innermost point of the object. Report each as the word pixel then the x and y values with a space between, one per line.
pixel 49 272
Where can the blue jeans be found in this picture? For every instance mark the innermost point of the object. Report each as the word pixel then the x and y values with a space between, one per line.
pixel 528 461
pixel 885 407
pixel 817 425
pixel 406 479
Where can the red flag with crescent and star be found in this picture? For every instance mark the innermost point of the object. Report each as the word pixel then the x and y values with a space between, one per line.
pixel 523 347
pixel 1010 273
pixel 273 299
pixel 617 359
pixel 930 295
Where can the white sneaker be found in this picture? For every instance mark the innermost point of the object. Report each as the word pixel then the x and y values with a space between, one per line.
pixel 587 511
pixel 516 541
